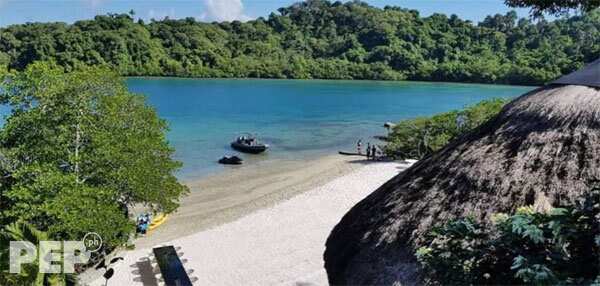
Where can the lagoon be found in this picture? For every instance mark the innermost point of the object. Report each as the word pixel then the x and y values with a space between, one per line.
pixel 300 119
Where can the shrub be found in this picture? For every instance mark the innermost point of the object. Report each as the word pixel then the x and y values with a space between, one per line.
pixel 421 136
pixel 528 247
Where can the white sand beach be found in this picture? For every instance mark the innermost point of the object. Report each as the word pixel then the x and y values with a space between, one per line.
pixel 278 244
pixel 238 191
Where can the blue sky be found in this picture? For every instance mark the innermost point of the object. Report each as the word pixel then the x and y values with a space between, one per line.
pixel 21 11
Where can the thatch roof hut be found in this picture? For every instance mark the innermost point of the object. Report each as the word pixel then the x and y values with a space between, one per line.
pixel 542 149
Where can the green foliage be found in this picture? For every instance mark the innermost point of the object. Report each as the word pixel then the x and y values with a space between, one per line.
pixel 317 39
pixel 30 275
pixel 421 136
pixel 539 7
pixel 77 150
pixel 555 248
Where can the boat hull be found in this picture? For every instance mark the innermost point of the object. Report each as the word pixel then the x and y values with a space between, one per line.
pixel 230 160
pixel 249 149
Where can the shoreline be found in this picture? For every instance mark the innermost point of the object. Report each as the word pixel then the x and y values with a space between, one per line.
pixel 278 239
pixel 231 194
pixel 327 79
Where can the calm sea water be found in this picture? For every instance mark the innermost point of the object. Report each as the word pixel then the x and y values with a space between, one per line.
pixel 299 119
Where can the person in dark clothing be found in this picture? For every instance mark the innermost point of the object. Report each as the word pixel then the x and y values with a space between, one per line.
pixel 368 150
pixel 373 153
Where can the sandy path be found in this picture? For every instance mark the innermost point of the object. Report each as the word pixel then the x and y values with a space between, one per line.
pixel 278 245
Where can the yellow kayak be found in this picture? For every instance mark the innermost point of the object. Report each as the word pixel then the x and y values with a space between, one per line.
pixel 157 221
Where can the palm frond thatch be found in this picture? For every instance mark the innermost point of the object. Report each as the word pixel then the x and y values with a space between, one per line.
pixel 542 149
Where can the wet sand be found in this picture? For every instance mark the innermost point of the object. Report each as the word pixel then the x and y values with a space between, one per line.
pixel 241 190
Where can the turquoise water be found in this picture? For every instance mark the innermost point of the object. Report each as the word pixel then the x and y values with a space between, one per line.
pixel 299 119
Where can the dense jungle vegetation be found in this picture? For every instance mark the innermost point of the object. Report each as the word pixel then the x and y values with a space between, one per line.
pixel 317 39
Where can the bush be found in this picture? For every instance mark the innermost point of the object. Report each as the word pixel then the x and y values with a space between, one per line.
pixel 529 247
pixel 421 136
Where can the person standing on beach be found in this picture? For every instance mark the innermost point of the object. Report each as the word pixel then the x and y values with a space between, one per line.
pixel 368 150
pixel 374 153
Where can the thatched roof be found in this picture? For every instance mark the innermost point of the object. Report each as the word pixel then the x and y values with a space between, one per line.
pixel 588 76
pixel 543 149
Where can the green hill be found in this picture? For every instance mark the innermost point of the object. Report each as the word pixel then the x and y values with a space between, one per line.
pixel 317 39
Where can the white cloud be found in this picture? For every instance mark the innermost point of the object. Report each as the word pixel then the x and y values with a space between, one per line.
pixel 223 10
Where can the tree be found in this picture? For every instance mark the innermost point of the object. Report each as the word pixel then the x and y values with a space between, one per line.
pixel 418 137
pixel 539 7
pixel 500 23
pixel 79 151
pixel 358 40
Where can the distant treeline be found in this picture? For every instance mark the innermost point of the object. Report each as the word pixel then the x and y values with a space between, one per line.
pixel 317 39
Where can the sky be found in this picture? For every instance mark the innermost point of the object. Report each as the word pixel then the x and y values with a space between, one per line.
pixel 21 11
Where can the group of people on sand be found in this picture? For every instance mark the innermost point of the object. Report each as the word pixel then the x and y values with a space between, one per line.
pixel 371 150
pixel 143 222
